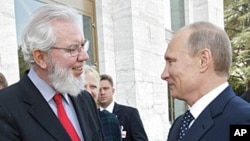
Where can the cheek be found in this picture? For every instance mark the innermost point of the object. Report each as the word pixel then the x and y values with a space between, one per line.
pixel 64 60
pixel 95 92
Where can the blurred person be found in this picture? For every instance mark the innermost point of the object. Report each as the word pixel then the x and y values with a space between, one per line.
pixel 47 104
pixel 198 59
pixel 110 123
pixel 129 118
pixel 246 95
pixel 3 81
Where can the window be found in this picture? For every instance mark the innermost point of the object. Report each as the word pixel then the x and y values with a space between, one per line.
pixel 176 107
pixel 24 8
pixel 177 14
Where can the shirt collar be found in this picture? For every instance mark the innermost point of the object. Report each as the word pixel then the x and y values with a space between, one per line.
pixel 109 108
pixel 204 101
pixel 46 91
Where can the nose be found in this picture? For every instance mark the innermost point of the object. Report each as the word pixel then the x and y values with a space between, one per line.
pixel 101 91
pixel 165 74
pixel 83 55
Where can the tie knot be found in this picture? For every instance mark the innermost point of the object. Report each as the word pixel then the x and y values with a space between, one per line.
pixel 188 116
pixel 58 99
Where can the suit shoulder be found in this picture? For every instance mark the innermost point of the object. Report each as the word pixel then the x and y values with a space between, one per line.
pixel 127 108
pixel 9 93
pixel 85 94
pixel 238 106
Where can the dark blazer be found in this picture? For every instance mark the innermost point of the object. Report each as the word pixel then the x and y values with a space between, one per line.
pixel 130 119
pixel 26 116
pixel 214 122
pixel 246 96
pixel 110 126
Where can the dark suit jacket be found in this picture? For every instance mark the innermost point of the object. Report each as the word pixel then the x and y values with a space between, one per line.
pixel 214 122
pixel 26 116
pixel 130 119
pixel 246 96
pixel 110 126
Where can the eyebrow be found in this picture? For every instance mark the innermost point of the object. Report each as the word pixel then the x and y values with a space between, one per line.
pixel 168 58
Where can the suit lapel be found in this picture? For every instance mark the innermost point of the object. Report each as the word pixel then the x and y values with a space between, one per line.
pixel 201 125
pixel 116 109
pixel 174 130
pixel 81 112
pixel 40 110
pixel 87 120
pixel 206 119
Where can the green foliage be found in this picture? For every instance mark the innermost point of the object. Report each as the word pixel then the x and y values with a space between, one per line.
pixel 237 26
pixel 22 64
pixel 237 85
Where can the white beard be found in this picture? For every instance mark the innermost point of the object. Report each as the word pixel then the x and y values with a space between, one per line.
pixel 63 80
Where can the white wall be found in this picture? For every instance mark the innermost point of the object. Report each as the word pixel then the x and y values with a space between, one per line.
pixel 131 44
pixel 8 42
pixel 205 10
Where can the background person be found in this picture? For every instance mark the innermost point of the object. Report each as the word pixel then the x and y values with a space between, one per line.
pixel 246 95
pixel 198 59
pixel 36 107
pixel 110 123
pixel 129 118
pixel 3 81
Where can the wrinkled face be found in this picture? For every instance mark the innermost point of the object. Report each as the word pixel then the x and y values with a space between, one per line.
pixel 180 69
pixel 91 85
pixel 65 70
pixel 106 93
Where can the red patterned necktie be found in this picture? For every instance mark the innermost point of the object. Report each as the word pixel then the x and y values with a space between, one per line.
pixel 64 118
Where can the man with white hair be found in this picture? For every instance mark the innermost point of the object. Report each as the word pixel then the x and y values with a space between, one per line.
pixel 47 104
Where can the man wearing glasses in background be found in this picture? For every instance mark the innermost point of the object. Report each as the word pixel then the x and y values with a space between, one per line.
pixel 47 104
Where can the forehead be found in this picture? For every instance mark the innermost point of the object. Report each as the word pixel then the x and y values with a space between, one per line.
pixel 105 83
pixel 91 79
pixel 176 47
pixel 67 30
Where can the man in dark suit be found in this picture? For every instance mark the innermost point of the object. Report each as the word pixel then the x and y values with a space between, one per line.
pixel 198 59
pixel 129 118
pixel 54 45
pixel 246 95
pixel 110 123
pixel 131 124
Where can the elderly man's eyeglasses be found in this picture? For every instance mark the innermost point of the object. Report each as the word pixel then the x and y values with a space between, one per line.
pixel 75 49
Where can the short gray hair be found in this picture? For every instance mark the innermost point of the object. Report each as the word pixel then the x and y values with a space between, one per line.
pixel 207 35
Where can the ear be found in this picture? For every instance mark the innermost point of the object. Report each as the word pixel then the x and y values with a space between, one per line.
pixel 205 59
pixel 40 58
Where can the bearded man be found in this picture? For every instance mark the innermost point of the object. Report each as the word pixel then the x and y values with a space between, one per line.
pixel 47 104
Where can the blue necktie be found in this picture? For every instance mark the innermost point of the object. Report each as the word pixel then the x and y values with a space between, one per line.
pixel 185 124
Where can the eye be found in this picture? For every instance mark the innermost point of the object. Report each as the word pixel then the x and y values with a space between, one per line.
pixel 170 62
pixel 93 87
pixel 72 48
